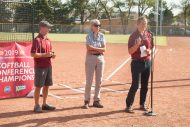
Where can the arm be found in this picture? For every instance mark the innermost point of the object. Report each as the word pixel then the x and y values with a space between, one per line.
pixel 91 48
pixel 38 55
pixel 132 49
pixel 41 55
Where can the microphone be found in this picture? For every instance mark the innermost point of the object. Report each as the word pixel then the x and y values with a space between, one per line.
pixel 149 31
pixel 152 36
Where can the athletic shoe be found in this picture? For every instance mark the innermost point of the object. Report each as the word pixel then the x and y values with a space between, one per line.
pixel 143 108
pixel 129 110
pixel 37 109
pixel 86 105
pixel 97 104
pixel 48 107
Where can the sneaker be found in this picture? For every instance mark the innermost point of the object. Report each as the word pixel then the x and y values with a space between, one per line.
pixel 37 109
pixel 143 108
pixel 86 105
pixel 129 110
pixel 97 104
pixel 48 107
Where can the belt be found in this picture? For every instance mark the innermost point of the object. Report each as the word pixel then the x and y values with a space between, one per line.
pixel 98 54
pixel 139 60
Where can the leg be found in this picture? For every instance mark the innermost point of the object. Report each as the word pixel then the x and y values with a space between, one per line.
pixel 135 83
pixel 89 69
pixel 37 95
pixel 99 78
pixel 45 94
pixel 39 81
pixel 144 86
pixel 48 82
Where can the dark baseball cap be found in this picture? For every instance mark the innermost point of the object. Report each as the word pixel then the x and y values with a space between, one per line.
pixel 45 24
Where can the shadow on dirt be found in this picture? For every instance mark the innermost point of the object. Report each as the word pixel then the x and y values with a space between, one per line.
pixel 58 119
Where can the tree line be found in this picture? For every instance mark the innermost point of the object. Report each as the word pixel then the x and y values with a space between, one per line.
pixel 57 12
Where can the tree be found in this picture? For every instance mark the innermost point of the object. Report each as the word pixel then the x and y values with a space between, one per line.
pixel 166 11
pixel 124 8
pixel 80 9
pixel 95 9
pixel 61 12
pixel 168 17
pixel 43 11
pixel 108 9
pixel 55 6
pixel 5 13
pixel 144 5
pixel 186 11
pixel 23 13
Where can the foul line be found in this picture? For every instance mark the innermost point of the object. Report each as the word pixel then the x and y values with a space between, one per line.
pixel 123 64
pixel 55 96
pixel 61 98
pixel 118 68
pixel 115 91
pixel 73 89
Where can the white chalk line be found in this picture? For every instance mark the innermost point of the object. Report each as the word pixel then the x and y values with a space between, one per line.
pixel 121 66
pixel 112 90
pixel 73 89
pixel 118 68
pixel 61 98
pixel 81 90
pixel 103 88
pixel 55 96
pixel 117 82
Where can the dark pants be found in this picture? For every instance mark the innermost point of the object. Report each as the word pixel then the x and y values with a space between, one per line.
pixel 139 68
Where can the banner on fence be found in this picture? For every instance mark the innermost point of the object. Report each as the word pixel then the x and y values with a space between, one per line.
pixel 16 70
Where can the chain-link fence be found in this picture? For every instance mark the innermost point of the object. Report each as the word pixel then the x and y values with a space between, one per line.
pixel 16 21
pixel 23 31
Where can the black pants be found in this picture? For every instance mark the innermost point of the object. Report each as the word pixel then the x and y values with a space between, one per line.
pixel 139 68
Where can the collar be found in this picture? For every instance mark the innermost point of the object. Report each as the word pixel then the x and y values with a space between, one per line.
pixel 93 33
pixel 42 37
pixel 137 31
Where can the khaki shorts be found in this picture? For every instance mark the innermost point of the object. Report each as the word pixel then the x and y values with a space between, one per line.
pixel 43 77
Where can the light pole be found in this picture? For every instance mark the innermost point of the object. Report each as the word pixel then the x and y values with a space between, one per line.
pixel 161 16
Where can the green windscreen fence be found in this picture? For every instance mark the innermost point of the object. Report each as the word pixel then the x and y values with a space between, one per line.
pixel 16 21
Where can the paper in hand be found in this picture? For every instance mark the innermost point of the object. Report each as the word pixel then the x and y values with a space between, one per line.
pixel 143 49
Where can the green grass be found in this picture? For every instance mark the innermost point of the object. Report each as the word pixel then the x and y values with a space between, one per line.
pixel 161 40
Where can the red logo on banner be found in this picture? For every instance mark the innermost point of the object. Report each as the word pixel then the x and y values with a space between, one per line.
pixel 16 70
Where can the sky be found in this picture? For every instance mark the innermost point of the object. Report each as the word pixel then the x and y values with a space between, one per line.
pixel 170 2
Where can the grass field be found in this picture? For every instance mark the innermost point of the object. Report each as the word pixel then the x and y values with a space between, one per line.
pixel 161 40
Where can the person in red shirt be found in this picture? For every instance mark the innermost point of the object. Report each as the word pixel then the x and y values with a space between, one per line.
pixel 42 53
pixel 139 47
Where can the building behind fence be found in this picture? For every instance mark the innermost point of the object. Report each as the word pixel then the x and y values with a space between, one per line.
pixel 115 29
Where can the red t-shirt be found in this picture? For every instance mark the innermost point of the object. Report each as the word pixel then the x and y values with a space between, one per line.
pixel 146 41
pixel 41 44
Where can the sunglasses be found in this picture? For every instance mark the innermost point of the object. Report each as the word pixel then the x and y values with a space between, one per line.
pixel 97 25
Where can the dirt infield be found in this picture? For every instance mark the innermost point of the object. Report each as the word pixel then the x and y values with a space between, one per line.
pixel 172 86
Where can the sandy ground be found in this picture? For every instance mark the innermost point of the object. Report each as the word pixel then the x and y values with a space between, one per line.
pixel 171 93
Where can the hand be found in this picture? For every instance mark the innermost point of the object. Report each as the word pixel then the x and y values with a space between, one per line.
pixel 53 56
pixel 138 42
pixel 50 54
pixel 148 51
